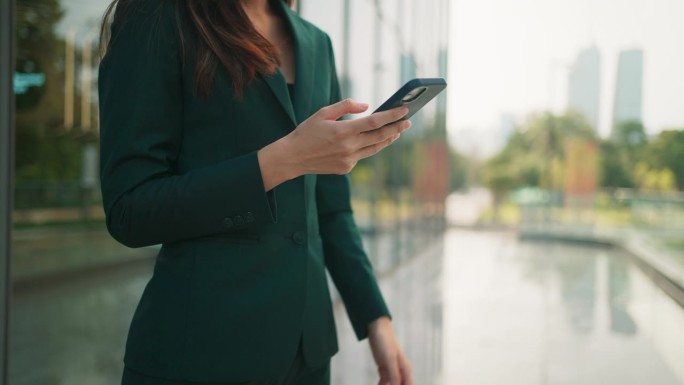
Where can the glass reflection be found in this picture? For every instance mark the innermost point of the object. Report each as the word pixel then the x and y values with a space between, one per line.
pixel 56 114
pixel 621 322
pixel 520 312
pixel 72 330
pixel 414 293
pixel 75 288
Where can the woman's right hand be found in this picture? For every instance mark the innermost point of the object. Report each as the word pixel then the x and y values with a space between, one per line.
pixel 323 145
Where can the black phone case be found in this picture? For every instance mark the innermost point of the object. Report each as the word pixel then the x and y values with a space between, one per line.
pixel 433 87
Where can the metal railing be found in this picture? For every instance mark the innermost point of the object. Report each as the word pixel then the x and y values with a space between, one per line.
pixel 659 213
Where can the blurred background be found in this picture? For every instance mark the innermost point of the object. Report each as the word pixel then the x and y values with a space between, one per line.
pixel 528 229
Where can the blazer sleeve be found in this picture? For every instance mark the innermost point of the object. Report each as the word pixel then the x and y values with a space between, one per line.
pixel 146 201
pixel 345 257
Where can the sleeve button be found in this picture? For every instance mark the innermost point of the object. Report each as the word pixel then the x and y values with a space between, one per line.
pixel 239 221
pixel 299 237
pixel 249 218
pixel 228 223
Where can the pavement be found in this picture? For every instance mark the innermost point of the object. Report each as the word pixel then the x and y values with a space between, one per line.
pixel 640 244
pixel 487 308
pixel 469 307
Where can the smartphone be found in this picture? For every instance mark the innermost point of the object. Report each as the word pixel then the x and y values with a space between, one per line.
pixel 414 95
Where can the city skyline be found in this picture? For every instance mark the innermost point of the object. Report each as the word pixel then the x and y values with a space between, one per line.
pixel 584 85
pixel 628 102
pixel 514 58
pixel 503 56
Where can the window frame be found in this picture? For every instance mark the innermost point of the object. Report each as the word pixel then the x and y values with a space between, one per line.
pixel 7 147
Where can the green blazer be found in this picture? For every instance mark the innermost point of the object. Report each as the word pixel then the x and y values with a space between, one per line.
pixel 240 275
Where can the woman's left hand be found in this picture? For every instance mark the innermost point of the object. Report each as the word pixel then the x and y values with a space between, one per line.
pixel 393 366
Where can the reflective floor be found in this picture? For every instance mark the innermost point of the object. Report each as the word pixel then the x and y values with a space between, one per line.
pixel 73 333
pixel 484 308
pixel 474 308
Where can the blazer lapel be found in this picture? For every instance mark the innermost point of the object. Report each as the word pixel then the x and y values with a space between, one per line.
pixel 304 65
pixel 276 82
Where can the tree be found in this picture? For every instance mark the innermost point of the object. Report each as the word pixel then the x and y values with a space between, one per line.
pixel 40 52
pixel 621 154
pixel 458 169
pixel 534 154
pixel 615 168
pixel 666 151
pixel 630 135
pixel 44 152
pixel 500 179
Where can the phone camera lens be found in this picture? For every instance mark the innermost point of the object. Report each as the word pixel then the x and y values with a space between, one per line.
pixel 413 95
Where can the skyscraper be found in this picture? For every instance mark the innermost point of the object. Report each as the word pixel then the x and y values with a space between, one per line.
pixel 584 85
pixel 629 87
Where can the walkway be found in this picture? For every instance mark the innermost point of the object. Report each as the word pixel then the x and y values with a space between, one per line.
pixel 485 308
pixel 477 308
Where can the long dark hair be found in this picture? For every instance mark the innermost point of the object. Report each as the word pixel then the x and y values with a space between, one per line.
pixel 224 35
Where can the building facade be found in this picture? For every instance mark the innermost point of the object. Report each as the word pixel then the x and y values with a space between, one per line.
pixel 75 289
pixel 629 87
pixel 584 85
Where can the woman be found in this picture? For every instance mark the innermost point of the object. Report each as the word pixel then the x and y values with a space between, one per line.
pixel 205 151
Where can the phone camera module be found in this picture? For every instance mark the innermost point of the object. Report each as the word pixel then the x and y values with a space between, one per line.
pixel 413 95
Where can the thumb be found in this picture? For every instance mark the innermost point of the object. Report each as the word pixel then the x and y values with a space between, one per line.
pixel 341 108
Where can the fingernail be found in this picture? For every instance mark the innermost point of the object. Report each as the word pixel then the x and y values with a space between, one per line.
pixel 407 124
pixel 396 136
pixel 363 105
pixel 404 110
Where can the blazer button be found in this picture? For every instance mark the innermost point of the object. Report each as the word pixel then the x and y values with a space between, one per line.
pixel 228 223
pixel 249 218
pixel 299 237
pixel 239 221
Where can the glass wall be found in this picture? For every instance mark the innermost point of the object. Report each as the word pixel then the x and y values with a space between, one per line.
pixel 399 195
pixel 379 46
pixel 74 287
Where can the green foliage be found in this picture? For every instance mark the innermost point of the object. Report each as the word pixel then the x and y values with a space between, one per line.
pixel 458 169
pixel 47 158
pixel 44 152
pixel 40 51
pixel 630 136
pixel 500 176
pixel 659 180
pixel 630 160
pixel 398 163
pixel 615 166
pixel 620 155
pixel 666 151
pixel 534 156
pixel 534 153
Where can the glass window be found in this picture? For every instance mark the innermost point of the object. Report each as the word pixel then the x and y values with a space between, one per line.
pixel 75 288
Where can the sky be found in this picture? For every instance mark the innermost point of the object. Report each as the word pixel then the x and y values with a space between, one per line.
pixel 512 57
